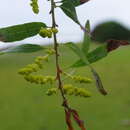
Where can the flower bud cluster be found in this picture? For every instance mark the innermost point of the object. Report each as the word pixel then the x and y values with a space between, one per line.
pixel 54 30
pixel 51 91
pixel 34 67
pixel 39 60
pixel 35 7
pixel 81 79
pixel 50 51
pixel 39 79
pixel 29 69
pixel 44 32
pixel 71 90
pixel 78 78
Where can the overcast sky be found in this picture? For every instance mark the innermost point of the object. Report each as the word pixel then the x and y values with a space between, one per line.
pixel 18 11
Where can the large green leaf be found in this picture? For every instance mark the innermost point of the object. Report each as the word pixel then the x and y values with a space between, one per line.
pixel 25 48
pixel 69 9
pixel 78 2
pixel 75 2
pixel 93 56
pixel 98 53
pixel 78 52
pixel 20 32
pixel 87 39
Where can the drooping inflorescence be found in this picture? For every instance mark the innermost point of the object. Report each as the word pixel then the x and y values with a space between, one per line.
pixel 28 70
pixel 34 5
pixel 81 79
pixel 30 75
pixel 78 78
pixel 69 89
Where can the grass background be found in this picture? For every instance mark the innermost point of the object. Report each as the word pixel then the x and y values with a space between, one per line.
pixel 25 106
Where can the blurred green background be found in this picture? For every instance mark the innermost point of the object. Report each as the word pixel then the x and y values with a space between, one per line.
pixel 110 30
pixel 25 106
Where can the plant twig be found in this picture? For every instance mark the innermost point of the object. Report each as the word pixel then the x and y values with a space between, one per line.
pixel 59 71
pixel 68 111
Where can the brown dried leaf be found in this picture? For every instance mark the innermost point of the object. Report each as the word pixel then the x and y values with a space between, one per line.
pixel 114 44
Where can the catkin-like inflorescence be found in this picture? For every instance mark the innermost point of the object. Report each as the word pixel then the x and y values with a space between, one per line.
pixel 50 51
pixel 29 69
pixel 78 78
pixel 72 90
pixel 39 60
pixel 39 79
pixel 69 89
pixel 51 91
pixel 34 5
pixel 81 79
pixel 34 67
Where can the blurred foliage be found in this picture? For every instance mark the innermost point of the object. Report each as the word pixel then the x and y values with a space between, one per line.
pixel 24 106
pixel 110 30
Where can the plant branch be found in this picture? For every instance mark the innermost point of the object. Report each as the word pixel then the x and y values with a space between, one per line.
pixel 68 111
pixel 59 71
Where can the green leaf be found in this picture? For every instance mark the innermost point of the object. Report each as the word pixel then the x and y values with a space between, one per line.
pixel 97 54
pixel 87 39
pixel 25 48
pixel 78 52
pixel 99 84
pixel 78 2
pixel 87 26
pixel 93 56
pixel 69 9
pixel 20 32
pixel 75 2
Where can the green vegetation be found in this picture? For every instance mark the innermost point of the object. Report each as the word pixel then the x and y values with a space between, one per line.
pixel 26 107
pixel 110 30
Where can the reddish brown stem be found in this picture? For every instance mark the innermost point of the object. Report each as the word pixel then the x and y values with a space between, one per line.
pixel 58 69
pixel 68 110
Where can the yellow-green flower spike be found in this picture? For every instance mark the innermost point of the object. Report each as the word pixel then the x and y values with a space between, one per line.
pixel 72 90
pixel 43 58
pixel 51 91
pixel 82 79
pixel 29 69
pixel 82 92
pixel 39 79
pixel 50 51
pixel 34 5
pixel 67 87
pixel 39 60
